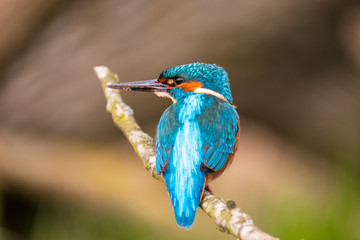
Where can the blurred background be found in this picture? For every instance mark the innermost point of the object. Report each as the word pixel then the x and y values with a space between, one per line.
pixel 66 172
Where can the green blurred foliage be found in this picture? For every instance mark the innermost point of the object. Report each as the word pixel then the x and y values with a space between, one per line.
pixel 68 222
pixel 335 215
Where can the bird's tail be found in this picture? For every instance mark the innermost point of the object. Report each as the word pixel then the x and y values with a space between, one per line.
pixel 185 193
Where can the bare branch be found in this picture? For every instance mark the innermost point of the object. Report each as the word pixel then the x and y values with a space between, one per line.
pixel 227 216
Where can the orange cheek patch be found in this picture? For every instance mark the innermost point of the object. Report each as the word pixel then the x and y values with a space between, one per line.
pixel 162 80
pixel 168 81
pixel 191 86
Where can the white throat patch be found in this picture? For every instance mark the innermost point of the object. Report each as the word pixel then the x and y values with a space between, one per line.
pixel 198 90
pixel 165 95
pixel 210 92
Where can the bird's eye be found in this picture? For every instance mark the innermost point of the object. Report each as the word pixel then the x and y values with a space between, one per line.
pixel 179 80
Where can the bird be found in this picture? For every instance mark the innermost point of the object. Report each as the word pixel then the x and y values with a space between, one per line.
pixel 197 136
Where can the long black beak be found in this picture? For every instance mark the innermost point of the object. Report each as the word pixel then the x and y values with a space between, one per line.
pixel 145 86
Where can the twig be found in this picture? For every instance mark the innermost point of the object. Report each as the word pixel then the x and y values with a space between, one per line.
pixel 227 216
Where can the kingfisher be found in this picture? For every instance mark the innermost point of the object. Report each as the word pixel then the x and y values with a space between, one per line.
pixel 197 135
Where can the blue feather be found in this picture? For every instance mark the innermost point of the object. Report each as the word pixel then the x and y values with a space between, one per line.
pixel 214 159
pixel 183 177
pixel 209 151
pixel 219 126
pixel 197 130
pixel 221 162
pixel 196 133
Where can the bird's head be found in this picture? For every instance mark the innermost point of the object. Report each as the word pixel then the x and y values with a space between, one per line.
pixel 180 81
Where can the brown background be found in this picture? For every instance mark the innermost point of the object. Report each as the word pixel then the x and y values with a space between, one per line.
pixel 294 70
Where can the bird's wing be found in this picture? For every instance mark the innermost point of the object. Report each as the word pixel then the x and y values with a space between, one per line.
pixel 219 127
pixel 166 134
